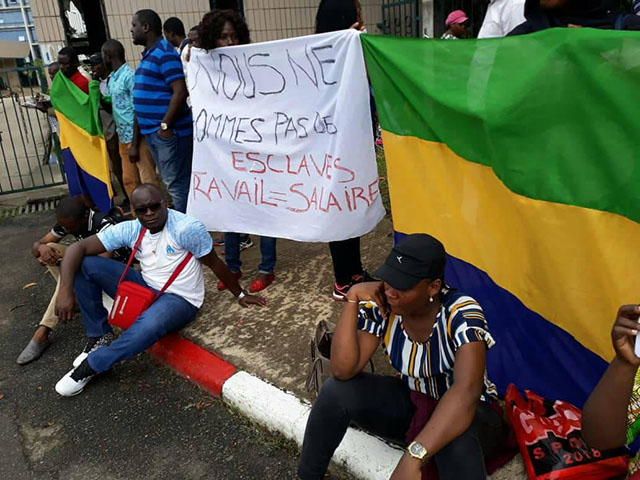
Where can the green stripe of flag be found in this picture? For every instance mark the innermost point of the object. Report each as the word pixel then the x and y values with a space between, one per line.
pixel 554 114
pixel 80 108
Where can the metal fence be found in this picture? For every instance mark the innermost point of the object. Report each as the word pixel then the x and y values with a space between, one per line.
pixel 401 18
pixel 29 147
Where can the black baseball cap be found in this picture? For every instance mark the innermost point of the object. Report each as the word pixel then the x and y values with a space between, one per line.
pixel 95 59
pixel 414 258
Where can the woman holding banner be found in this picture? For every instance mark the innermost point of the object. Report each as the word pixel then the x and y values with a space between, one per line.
pixel 226 28
pixel 334 15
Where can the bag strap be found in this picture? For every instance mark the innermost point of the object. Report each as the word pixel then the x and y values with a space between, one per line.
pixel 133 254
pixel 175 273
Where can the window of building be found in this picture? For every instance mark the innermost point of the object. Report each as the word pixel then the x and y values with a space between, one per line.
pixel 84 24
pixel 237 5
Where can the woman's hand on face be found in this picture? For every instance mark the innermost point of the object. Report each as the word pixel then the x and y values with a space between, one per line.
pixel 369 291
pixel 624 332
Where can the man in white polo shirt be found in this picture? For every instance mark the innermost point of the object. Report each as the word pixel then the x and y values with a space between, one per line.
pixel 502 17
pixel 169 237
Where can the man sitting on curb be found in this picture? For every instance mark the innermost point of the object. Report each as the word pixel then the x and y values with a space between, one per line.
pixel 169 237
pixel 73 218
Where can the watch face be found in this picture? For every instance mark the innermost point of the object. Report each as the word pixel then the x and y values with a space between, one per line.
pixel 417 449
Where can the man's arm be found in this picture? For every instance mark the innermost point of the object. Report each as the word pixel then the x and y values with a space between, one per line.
pixel 221 271
pixel 45 254
pixel 455 410
pixel 134 153
pixel 604 416
pixel 176 104
pixel 65 303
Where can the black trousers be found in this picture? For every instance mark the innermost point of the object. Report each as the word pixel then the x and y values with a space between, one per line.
pixel 382 406
pixel 345 256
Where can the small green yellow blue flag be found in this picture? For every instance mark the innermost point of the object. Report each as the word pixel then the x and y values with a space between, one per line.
pixel 84 151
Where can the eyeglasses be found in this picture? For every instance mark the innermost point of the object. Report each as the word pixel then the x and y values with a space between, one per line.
pixel 154 207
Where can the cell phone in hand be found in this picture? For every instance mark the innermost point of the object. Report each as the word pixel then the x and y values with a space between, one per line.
pixel 637 349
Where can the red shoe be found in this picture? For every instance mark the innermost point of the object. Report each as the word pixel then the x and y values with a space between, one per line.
pixel 222 286
pixel 262 281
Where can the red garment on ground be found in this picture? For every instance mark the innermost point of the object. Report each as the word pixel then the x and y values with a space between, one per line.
pixel 425 406
pixel 80 81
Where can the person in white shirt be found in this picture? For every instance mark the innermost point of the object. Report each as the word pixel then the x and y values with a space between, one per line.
pixel 502 17
pixel 169 237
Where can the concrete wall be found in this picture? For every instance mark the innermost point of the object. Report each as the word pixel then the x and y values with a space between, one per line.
pixel 276 19
pixel 46 17
pixel 119 13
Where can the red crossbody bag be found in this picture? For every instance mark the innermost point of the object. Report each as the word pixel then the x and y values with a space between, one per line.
pixel 131 298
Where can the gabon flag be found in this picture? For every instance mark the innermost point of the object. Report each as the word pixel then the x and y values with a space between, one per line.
pixel 84 151
pixel 522 155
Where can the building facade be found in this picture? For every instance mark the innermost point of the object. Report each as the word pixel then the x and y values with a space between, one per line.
pixel 16 25
pixel 86 24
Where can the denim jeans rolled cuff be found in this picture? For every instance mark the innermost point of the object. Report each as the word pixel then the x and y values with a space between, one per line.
pixel 232 251
pixel 268 254
pixel 173 157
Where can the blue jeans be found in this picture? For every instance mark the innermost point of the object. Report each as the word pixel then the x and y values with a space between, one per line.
pixel 173 159
pixel 168 313
pixel 232 253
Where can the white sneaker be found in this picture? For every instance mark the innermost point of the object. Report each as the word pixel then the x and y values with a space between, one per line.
pixel 75 380
pixel 79 359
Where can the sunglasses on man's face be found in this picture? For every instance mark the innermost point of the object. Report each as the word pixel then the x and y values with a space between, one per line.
pixel 154 207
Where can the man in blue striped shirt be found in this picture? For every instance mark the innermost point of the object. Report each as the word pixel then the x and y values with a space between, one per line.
pixel 162 115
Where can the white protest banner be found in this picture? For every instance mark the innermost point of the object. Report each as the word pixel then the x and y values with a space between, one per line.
pixel 283 143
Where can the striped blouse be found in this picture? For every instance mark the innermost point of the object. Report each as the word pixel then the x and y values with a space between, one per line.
pixel 428 367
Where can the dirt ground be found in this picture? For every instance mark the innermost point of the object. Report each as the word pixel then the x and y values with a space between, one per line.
pixel 273 343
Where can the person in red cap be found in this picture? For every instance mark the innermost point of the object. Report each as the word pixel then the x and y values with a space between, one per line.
pixel 457 24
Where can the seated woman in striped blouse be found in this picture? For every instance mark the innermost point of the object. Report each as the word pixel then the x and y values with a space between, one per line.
pixel 437 339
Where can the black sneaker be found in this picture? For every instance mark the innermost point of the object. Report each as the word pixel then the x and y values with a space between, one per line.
pixel 92 345
pixel 83 371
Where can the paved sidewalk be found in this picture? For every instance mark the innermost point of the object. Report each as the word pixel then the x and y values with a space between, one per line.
pixel 273 343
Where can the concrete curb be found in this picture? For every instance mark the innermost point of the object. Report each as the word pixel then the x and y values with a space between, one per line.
pixel 363 455
pixel 194 362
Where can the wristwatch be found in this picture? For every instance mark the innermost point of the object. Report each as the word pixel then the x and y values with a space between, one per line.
pixel 164 126
pixel 419 451
pixel 243 293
